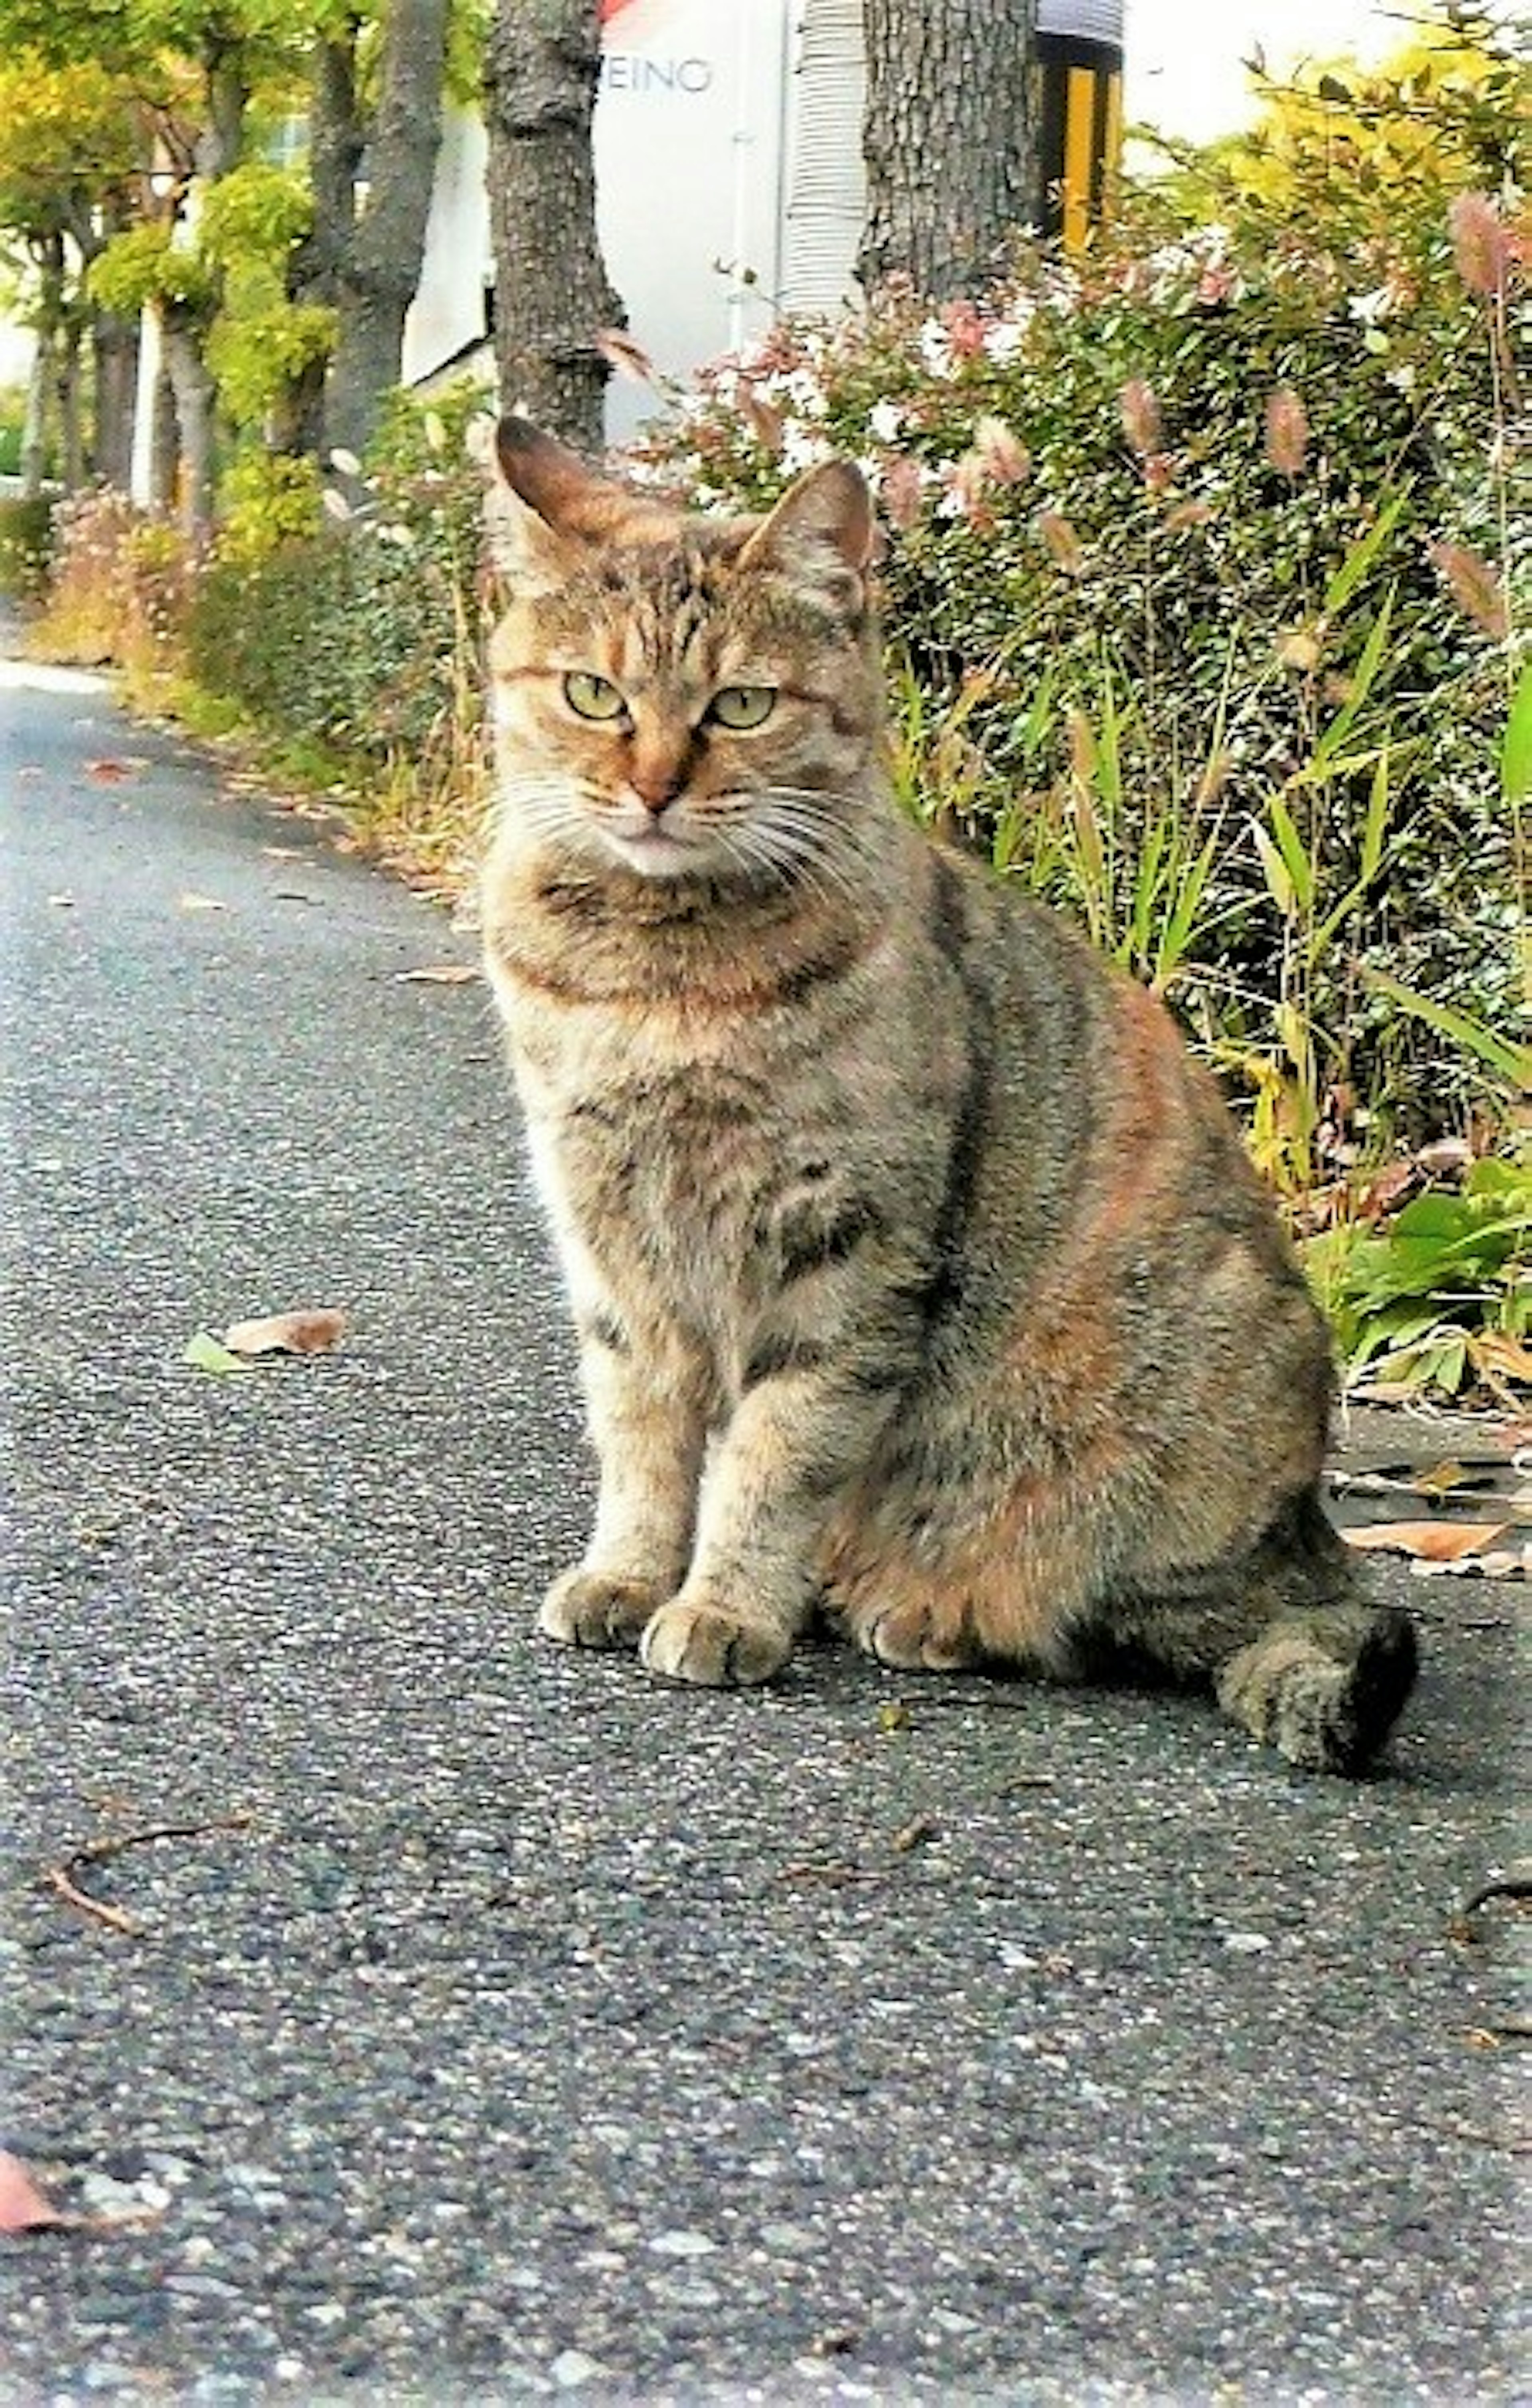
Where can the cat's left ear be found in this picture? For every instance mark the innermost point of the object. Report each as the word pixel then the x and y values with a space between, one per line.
pixel 550 506
pixel 824 518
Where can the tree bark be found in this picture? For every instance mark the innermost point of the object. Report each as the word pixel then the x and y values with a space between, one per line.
pixel 115 344
pixel 553 298
pixel 70 391
pixel 192 383
pixel 949 141
pixel 379 269
pixel 39 387
pixel 47 261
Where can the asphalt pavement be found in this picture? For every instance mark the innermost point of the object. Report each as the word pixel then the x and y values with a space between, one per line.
pixel 489 2022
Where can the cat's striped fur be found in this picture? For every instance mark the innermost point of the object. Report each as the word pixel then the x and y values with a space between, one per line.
pixel 918 1271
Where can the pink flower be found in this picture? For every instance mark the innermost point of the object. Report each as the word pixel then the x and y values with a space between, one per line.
pixel 1474 587
pixel 1286 430
pixel 901 492
pixel 1060 541
pixel 1140 416
pixel 1480 244
pixel 1003 456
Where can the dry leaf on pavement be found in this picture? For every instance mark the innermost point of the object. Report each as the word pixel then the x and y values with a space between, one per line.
pixel 442 974
pixel 23 2208
pixel 1433 1542
pixel 312 1332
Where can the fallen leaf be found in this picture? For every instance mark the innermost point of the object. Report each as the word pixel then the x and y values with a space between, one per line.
pixel 284 852
pixel 442 974
pixel 23 2208
pixel 312 1332
pixel 1435 1542
pixel 1439 1479
pixel 62 902
pixel 201 903
pixel 628 358
pixel 915 1834
pixel 1495 1350
pixel 108 773
pixel 895 1716
pixel 1445 1155
pixel 205 1353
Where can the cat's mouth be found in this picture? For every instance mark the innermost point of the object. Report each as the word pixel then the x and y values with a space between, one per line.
pixel 657 852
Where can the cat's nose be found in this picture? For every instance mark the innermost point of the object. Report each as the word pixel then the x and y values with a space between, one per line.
pixel 656 788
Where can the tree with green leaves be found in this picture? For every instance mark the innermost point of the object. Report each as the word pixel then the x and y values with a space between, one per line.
pixel 68 150
pixel 380 100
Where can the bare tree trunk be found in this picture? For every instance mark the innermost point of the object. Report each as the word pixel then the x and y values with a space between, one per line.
pixel 337 141
pixel 192 382
pixel 45 384
pixel 552 298
pixel 68 386
pixel 39 386
pixel 949 140
pixel 115 343
pixel 164 447
pixel 379 268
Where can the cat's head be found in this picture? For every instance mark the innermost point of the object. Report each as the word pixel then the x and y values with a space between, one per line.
pixel 678 696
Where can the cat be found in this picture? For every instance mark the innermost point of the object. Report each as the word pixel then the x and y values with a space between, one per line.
pixel 919 1275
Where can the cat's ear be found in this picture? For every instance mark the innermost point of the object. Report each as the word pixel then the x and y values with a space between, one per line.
pixel 535 505
pixel 824 520
pixel 551 481
pixel 548 508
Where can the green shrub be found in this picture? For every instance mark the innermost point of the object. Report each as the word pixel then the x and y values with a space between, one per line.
pixel 1185 543
pixel 1442 1299
pixel 26 545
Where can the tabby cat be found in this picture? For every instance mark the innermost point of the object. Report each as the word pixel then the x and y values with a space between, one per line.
pixel 919 1275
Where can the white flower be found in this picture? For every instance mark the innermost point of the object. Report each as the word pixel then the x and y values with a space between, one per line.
pixel 1369 306
pixel 1005 338
pixel 936 350
pixel 804 391
pixel 801 447
pixel 885 419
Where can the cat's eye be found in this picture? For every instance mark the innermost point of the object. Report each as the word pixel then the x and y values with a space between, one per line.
pixel 592 696
pixel 742 706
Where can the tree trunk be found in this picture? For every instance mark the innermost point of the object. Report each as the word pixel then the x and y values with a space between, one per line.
pixel 165 445
pixel 949 140
pixel 69 388
pixel 192 382
pixel 337 139
pixel 552 298
pixel 380 266
pixel 115 341
pixel 39 387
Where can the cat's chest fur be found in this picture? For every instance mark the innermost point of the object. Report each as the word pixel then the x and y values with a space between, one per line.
pixel 696 1148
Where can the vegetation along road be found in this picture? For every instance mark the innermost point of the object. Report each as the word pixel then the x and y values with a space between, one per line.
pixel 396 2000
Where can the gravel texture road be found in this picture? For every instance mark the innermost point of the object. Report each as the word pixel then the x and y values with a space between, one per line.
pixel 494 2023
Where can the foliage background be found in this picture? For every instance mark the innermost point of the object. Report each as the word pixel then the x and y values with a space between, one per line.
pixel 1205 557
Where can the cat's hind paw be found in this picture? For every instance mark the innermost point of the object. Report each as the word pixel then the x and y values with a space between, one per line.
pixel 914 1637
pixel 598 1608
pixel 713 1648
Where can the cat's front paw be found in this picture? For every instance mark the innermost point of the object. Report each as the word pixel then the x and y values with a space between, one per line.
pixel 715 1649
pixel 599 1608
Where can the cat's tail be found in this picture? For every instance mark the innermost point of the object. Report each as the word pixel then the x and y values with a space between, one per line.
pixel 1325 1686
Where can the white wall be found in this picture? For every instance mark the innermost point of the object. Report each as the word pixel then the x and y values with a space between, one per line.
pixel 1182 68
pixel 689 163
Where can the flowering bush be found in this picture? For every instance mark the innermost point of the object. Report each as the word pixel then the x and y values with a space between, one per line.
pixel 1198 576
